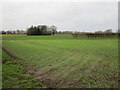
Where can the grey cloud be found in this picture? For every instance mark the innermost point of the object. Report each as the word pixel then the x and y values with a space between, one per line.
pixel 66 16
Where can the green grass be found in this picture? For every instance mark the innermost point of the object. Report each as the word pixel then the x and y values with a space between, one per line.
pixel 49 37
pixel 14 75
pixel 77 62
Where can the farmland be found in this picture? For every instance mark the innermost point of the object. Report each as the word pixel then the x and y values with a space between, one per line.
pixel 62 61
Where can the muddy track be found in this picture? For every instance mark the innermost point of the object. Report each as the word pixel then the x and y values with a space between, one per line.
pixel 27 68
pixel 49 80
pixel 10 54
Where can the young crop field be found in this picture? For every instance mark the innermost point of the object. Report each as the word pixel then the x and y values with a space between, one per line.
pixel 61 61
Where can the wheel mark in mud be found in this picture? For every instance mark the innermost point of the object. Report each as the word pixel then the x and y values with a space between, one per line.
pixel 10 54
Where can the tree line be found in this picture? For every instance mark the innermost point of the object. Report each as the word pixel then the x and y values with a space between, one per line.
pixel 13 32
pixel 42 30
pixel 106 33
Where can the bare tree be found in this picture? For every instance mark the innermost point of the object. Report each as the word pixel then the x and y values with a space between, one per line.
pixel 108 31
pixel 54 28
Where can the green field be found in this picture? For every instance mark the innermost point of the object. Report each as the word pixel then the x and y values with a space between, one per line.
pixel 62 61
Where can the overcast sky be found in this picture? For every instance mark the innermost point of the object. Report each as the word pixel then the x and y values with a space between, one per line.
pixel 74 16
